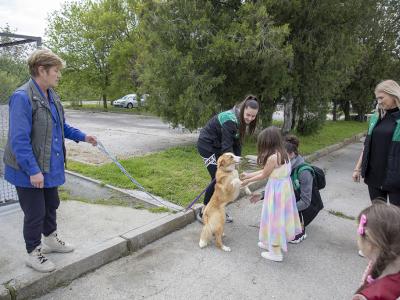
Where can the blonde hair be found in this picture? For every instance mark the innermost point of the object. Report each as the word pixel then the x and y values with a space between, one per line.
pixel 45 58
pixel 391 88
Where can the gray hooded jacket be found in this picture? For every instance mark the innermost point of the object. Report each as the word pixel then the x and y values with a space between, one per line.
pixel 306 184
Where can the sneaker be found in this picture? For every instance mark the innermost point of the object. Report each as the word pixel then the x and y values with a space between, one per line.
pixel 262 246
pixel 299 238
pixel 272 256
pixel 53 243
pixel 360 253
pixel 228 218
pixel 37 261
pixel 199 217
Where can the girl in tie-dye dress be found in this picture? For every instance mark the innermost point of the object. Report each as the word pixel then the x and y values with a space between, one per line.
pixel 280 220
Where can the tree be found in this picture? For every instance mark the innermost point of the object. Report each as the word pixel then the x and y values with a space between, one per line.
pixel 86 35
pixel 13 68
pixel 325 52
pixel 198 58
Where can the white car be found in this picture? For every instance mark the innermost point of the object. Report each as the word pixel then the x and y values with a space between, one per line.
pixel 128 101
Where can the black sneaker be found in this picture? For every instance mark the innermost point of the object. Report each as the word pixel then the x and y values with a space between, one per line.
pixel 299 238
pixel 199 216
pixel 228 218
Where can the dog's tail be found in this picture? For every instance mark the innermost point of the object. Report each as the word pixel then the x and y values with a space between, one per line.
pixel 205 236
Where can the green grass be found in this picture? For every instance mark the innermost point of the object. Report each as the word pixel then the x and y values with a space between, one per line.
pixel 340 215
pixel 331 133
pixel 178 174
pixel 113 201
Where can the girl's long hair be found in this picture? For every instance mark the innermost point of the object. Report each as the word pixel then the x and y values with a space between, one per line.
pixel 252 102
pixel 269 142
pixel 382 231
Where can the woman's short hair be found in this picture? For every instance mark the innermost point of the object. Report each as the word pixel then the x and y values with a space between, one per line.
pixel 44 58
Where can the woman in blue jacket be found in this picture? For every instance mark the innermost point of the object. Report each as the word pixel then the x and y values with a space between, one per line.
pixel 225 132
pixel 34 156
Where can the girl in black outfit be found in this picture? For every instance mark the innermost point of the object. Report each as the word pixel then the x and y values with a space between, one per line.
pixel 379 162
pixel 225 133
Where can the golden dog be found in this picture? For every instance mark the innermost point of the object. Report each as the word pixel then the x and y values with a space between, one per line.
pixel 227 188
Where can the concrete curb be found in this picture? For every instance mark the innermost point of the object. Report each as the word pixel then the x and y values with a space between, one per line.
pixel 140 237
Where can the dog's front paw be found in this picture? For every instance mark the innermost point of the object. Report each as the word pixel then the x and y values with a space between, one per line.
pixel 202 244
pixel 226 248
pixel 247 191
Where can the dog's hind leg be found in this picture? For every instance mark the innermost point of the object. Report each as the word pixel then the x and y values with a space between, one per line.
pixel 218 239
pixel 205 236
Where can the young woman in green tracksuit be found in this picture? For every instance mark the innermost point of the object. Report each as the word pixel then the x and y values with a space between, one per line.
pixel 225 133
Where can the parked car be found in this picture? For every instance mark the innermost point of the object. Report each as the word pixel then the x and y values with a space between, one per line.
pixel 127 101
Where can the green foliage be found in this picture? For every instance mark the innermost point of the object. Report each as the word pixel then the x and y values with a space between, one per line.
pixel 198 58
pixel 90 37
pixel 13 68
pixel 324 37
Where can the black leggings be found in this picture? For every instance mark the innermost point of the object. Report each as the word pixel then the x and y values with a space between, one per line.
pixel 394 197
pixel 212 170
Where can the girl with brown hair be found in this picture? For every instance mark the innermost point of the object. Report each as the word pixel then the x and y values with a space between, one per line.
pixel 379 241
pixel 280 221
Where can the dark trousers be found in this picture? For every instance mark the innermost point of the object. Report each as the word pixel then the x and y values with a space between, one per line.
pixel 394 197
pixel 212 170
pixel 39 207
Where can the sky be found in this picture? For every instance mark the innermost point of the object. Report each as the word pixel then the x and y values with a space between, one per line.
pixel 28 17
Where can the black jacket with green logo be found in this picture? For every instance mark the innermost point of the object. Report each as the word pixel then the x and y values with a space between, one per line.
pixel 391 164
pixel 221 134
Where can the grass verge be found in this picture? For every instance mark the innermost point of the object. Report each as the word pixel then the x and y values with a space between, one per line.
pixel 178 174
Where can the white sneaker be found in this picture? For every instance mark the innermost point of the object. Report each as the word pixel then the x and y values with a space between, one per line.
pixel 262 246
pixel 37 261
pixel 53 243
pixel 360 253
pixel 272 256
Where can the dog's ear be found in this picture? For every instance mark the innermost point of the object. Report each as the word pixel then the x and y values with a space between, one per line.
pixel 221 162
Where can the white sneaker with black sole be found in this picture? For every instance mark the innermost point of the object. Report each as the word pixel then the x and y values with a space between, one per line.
pixel 299 238
pixel 37 261
pixel 53 243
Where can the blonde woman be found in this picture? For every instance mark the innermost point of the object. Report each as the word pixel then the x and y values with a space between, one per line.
pixel 379 162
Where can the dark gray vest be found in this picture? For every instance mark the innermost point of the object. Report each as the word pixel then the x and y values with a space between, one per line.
pixel 42 126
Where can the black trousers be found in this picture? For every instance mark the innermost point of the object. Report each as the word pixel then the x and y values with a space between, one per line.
pixel 394 197
pixel 212 170
pixel 39 207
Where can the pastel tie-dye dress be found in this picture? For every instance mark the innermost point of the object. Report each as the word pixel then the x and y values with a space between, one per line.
pixel 280 220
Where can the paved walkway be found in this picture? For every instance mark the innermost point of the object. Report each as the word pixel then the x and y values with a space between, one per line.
pixel 325 266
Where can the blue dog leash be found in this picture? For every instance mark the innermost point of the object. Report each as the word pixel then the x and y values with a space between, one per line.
pixel 198 197
pixel 133 180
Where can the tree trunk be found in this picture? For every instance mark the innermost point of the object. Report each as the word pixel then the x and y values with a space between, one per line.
pixel 104 97
pixel 294 114
pixel 346 110
pixel 287 114
pixel 334 110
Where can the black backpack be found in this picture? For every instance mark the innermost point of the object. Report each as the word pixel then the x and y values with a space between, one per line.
pixel 319 182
